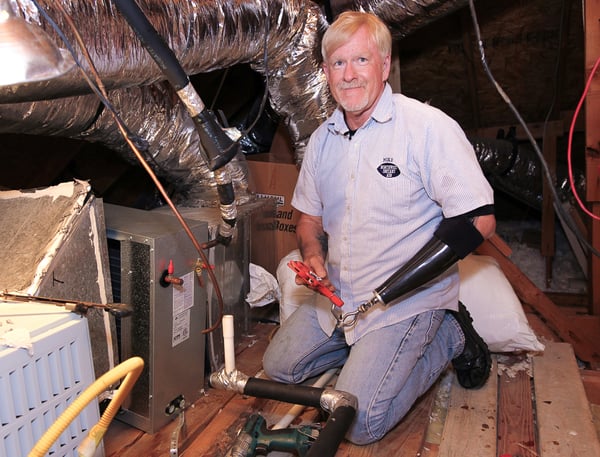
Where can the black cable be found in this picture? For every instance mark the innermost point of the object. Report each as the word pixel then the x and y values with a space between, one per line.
pixel 218 91
pixel 556 200
pixel 266 91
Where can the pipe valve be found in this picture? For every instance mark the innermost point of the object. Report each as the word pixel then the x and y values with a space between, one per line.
pixel 169 278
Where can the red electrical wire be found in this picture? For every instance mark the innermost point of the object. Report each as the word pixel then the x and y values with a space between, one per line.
pixel 569 147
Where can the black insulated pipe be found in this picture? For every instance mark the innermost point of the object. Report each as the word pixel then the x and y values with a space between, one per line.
pixel 154 44
pixel 290 393
pixel 333 433
pixel 220 149
pixel 218 146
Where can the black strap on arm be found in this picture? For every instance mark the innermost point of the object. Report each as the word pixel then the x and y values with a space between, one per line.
pixel 459 234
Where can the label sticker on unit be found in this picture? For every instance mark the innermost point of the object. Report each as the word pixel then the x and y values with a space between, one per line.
pixel 183 300
pixel 183 295
pixel 181 327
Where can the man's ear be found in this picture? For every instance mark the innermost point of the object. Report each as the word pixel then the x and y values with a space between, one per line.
pixel 325 70
pixel 386 67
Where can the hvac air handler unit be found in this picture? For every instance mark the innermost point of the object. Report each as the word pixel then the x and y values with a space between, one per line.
pixel 169 316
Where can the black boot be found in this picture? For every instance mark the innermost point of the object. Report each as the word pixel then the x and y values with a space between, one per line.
pixel 473 365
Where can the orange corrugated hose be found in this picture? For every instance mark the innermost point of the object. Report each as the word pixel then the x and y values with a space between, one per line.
pixel 129 371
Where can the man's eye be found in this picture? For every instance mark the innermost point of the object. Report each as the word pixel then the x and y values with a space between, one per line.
pixel 362 60
pixel 337 63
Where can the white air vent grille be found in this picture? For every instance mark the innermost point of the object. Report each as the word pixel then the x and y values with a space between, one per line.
pixel 36 389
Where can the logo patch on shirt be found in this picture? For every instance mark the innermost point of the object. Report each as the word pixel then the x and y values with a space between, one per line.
pixel 388 170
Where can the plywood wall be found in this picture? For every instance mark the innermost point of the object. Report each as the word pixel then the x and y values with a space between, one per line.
pixel 522 41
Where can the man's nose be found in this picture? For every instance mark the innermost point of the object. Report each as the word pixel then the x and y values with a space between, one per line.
pixel 349 72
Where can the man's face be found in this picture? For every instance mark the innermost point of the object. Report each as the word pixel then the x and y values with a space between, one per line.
pixel 356 73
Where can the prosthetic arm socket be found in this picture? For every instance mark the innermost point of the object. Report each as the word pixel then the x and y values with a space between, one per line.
pixel 454 239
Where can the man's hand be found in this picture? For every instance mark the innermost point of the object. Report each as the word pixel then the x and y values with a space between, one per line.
pixel 310 279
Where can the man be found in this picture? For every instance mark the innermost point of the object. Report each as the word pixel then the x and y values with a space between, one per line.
pixel 386 182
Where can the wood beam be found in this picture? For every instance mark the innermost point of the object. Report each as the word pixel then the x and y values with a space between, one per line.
pixel 592 141
pixel 580 331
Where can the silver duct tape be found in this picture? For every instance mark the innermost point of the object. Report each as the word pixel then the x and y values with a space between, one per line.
pixel 228 211
pixel 191 100
pixel 235 381
pixel 332 399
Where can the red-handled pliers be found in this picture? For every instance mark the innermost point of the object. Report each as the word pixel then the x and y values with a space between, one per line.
pixel 314 281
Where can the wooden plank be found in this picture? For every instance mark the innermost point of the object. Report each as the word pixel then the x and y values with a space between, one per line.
pixel 596 416
pixel 540 329
pixel 516 429
pixel 437 418
pixel 216 438
pixel 470 427
pixel 548 242
pixel 565 425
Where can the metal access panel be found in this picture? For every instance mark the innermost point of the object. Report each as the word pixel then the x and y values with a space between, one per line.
pixel 166 326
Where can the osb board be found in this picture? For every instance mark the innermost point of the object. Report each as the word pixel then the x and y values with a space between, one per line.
pixel 34 222
pixel 521 41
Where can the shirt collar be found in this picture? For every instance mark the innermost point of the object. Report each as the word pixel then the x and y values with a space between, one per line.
pixel 382 113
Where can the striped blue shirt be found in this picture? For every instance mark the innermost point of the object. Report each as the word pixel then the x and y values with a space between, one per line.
pixel 381 195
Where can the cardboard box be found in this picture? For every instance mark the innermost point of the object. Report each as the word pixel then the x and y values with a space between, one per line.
pixel 273 175
pixel 273 238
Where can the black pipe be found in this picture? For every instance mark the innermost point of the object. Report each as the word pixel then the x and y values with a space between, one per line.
pixel 290 393
pixel 154 43
pixel 220 149
pixel 333 432
pixel 337 424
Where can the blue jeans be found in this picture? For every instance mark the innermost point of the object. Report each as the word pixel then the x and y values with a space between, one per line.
pixel 387 369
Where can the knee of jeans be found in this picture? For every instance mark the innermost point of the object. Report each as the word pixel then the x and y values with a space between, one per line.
pixel 361 433
pixel 273 368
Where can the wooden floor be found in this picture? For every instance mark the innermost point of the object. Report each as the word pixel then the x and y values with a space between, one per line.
pixel 529 407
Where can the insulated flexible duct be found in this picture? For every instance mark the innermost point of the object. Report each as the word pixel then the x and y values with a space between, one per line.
pixel 515 169
pixel 205 35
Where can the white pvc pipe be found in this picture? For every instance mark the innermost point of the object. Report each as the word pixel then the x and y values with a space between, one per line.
pixel 228 344
pixel 295 410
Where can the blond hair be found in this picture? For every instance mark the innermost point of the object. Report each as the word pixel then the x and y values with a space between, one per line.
pixel 347 24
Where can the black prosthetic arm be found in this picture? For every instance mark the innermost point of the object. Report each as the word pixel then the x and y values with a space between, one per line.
pixel 454 239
